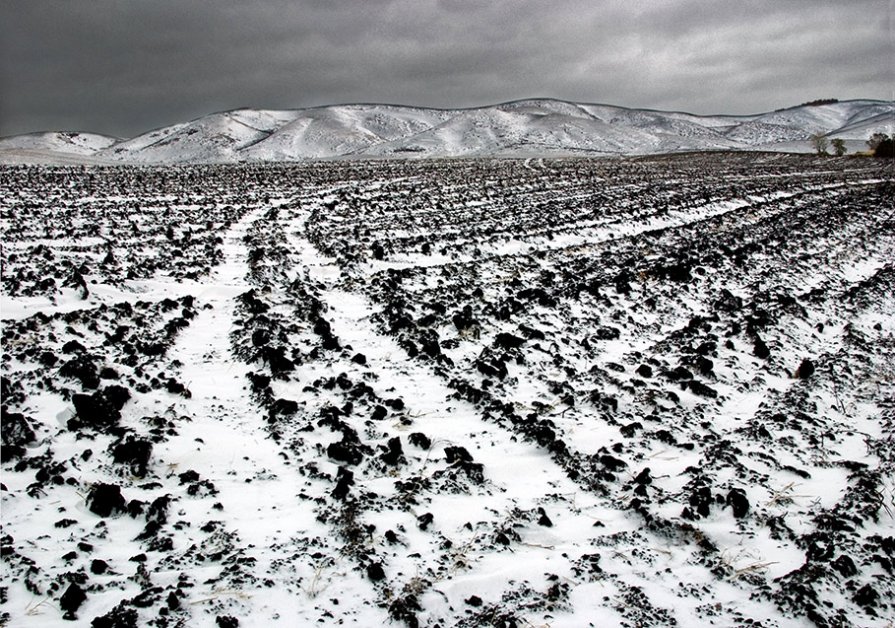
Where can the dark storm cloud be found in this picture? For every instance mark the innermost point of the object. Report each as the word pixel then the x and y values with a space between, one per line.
pixel 122 67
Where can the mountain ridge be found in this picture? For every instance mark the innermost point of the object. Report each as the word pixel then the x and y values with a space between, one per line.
pixel 531 127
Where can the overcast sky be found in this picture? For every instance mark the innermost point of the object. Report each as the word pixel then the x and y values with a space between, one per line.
pixel 124 67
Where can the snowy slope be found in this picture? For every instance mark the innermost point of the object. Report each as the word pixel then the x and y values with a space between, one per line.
pixel 53 147
pixel 533 127
pixel 74 143
pixel 213 138
pixel 343 130
pixel 863 128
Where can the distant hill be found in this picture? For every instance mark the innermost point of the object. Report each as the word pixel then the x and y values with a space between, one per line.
pixel 526 128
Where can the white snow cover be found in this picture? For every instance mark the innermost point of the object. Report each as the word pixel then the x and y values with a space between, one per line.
pixel 54 147
pixel 73 143
pixel 534 127
pixel 574 392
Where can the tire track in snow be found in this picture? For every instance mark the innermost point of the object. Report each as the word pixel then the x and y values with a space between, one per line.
pixel 520 477
pixel 483 569
pixel 225 441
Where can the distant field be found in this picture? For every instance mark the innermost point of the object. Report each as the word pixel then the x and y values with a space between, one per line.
pixel 617 392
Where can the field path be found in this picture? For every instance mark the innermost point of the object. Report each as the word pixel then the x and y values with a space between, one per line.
pixel 226 442
pixel 521 479
pixel 233 448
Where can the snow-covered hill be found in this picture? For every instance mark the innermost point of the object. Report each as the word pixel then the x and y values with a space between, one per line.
pixel 535 127
pixel 53 147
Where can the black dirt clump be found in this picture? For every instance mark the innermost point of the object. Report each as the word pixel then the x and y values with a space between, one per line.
pixel 260 337
pixel 405 609
pixel 845 566
pixel 16 433
pixel 867 597
pixel 71 601
pixel 359 358
pixel 98 566
pixel 117 395
pixel 375 572
pixel 73 346
pixel 698 388
pixel 612 463
pixel 118 617
pixel 805 370
pixel 607 333
pixel 700 500
pixel 83 369
pixel 344 481
pixel 760 349
pixel 420 440
pixel 425 520
pixel 644 478
pixel 728 302
pixel 460 458
pixel 276 359
pixel 394 452
pixel 737 500
pixel 348 450
pixel 105 500
pixel 395 404
pixel 508 341
pixel 286 407
pixel 189 476
pixel 644 370
pixel 95 411
pixel 134 452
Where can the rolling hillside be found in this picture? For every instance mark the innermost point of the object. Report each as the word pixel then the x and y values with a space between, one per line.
pixel 535 127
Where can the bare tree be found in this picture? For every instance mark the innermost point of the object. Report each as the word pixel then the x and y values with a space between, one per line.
pixel 876 139
pixel 820 143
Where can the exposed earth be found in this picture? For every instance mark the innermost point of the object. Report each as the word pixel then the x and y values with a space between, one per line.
pixel 572 392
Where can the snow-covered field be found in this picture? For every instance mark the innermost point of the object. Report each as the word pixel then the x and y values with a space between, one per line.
pixel 640 392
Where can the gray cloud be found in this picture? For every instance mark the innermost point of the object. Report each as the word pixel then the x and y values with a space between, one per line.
pixel 125 66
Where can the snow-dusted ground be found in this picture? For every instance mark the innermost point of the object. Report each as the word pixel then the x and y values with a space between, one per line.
pixel 468 393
